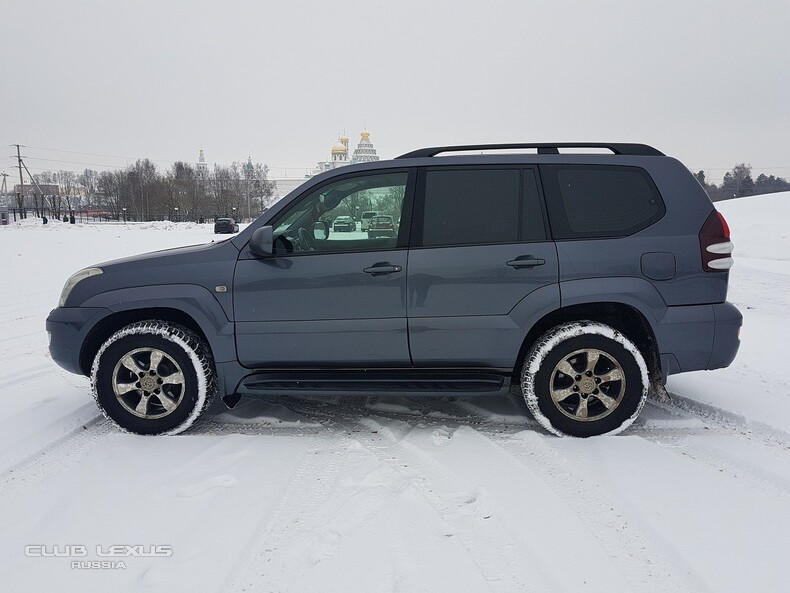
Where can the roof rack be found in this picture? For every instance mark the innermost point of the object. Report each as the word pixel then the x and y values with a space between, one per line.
pixel 543 148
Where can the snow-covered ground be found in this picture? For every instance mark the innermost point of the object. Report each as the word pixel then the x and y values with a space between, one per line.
pixel 395 494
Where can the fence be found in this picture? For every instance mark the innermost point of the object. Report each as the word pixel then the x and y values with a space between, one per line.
pixel 102 216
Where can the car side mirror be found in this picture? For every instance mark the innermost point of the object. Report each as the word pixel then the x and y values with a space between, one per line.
pixel 321 230
pixel 262 242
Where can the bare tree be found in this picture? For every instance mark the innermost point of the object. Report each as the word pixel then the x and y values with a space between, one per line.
pixel 67 180
pixel 262 188
pixel 227 189
pixel 109 185
pixel 88 181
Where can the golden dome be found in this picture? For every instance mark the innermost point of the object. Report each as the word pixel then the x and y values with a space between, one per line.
pixel 339 149
pixel 365 135
pixel 343 139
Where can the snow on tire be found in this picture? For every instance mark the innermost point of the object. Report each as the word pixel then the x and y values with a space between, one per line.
pixel 584 379
pixel 153 377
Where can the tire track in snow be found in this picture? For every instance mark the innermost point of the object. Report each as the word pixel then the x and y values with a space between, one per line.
pixel 725 462
pixel 56 457
pixel 31 372
pixel 724 424
pixel 23 336
pixel 268 559
pixel 494 552
pixel 215 427
pixel 730 421
pixel 643 557
pixel 496 557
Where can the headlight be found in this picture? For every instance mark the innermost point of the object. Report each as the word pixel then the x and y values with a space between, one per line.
pixel 74 280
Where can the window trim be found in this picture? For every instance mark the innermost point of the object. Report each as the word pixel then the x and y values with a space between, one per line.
pixel 418 218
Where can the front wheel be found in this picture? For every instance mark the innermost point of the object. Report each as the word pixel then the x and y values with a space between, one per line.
pixel 153 377
pixel 584 379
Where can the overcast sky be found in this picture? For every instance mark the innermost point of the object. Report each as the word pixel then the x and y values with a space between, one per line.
pixel 705 81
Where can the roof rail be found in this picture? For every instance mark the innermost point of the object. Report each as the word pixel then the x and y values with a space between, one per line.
pixel 543 148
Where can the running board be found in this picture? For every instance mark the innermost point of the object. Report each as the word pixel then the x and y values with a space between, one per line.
pixel 389 381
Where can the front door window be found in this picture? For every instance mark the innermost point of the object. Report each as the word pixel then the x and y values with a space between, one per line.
pixel 329 219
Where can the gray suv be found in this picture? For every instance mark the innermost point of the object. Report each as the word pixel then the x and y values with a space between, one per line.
pixel 583 279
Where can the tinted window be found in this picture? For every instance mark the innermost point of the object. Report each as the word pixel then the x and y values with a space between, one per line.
pixel 597 201
pixel 474 206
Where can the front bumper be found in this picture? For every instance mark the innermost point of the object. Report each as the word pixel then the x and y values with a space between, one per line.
pixel 67 328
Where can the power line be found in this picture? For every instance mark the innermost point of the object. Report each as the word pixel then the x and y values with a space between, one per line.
pixel 730 168
pixel 115 156
pixel 112 156
pixel 36 158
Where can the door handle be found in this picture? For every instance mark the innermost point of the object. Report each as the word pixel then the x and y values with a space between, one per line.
pixel 381 269
pixel 526 261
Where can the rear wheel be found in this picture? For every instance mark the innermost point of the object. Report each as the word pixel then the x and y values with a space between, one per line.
pixel 153 377
pixel 584 379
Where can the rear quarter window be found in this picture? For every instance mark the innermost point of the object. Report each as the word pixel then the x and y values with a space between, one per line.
pixel 587 201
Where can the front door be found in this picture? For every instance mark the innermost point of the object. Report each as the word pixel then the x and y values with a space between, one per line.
pixel 333 299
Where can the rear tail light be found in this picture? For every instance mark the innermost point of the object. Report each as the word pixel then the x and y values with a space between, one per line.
pixel 715 244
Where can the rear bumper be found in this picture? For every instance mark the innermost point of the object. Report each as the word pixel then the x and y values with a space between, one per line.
pixel 698 337
pixel 67 328
pixel 726 337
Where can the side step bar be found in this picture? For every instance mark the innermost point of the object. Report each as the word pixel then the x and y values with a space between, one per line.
pixel 389 381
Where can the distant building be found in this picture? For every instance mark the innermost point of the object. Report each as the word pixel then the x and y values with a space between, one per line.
pixel 29 189
pixel 340 156
pixel 363 153
pixel 285 185
pixel 201 168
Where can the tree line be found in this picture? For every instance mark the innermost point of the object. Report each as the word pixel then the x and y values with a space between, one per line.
pixel 739 182
pixel 142 192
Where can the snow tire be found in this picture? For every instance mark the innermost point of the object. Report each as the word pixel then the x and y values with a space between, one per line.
pixel 162 352
pixel 584 379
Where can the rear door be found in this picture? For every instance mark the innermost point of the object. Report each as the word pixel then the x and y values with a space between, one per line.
pixel 480 262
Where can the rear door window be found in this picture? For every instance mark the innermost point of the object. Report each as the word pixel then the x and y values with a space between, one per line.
pixel 588 201
pixel 480 206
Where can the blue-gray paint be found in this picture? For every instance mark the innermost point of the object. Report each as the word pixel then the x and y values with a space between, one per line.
pixel 460 307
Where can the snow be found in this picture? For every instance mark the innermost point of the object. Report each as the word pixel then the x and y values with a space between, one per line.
pixel 755 389
pixel 386 493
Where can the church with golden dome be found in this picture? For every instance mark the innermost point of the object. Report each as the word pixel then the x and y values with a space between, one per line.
pixel 340 156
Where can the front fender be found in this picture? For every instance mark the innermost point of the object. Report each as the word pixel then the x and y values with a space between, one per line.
pixel 196 301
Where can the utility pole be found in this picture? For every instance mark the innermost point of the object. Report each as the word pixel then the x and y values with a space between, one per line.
pixel 19 198
pixel 38 187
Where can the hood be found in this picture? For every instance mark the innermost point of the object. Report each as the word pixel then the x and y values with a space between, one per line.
pixel 207 265
pixel 191 253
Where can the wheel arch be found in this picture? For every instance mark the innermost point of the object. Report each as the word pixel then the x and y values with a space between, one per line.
pixel 117 320
pixel 624 318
